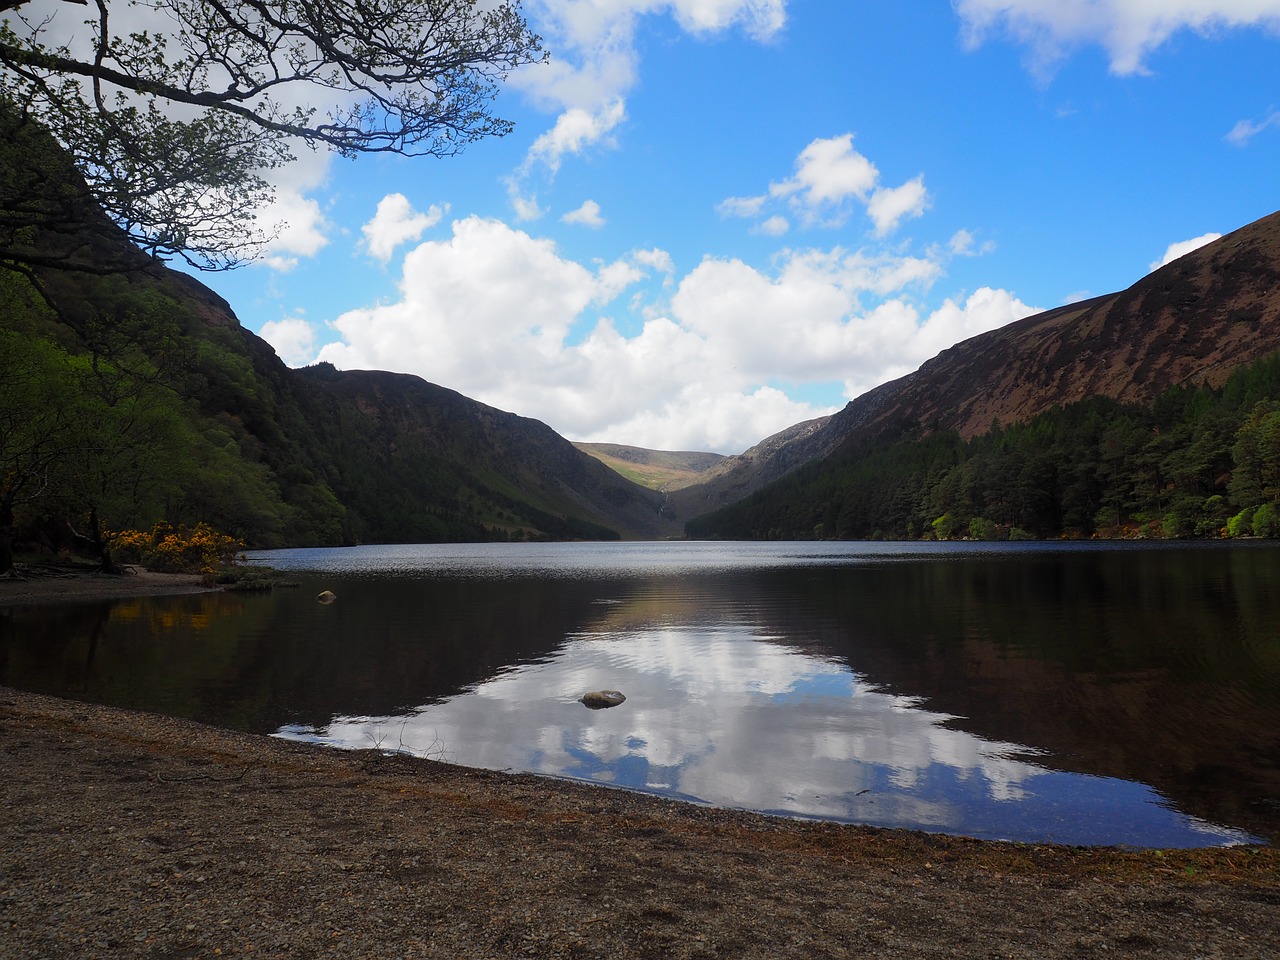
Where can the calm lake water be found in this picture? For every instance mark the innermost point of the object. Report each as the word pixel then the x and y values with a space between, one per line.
pixel 1081 693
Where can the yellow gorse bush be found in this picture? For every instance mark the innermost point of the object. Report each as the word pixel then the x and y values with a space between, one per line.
pixel 182 549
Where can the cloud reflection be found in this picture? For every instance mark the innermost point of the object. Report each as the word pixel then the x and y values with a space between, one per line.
pixel 725 716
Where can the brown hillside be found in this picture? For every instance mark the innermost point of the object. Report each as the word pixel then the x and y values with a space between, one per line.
pixel 1190 322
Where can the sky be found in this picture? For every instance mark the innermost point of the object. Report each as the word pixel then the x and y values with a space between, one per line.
pixel 718 218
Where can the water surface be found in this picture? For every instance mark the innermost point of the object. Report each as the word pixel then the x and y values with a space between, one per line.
pixel 1084 694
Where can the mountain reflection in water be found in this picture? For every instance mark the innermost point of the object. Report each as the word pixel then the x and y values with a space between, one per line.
pixel 1080 695
pixel 723 718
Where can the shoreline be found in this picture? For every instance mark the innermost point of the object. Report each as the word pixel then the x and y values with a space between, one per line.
pixel 146 836
pixel 75 586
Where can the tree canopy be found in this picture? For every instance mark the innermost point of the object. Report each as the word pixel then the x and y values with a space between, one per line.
pixel 1197 462
pixel 174 111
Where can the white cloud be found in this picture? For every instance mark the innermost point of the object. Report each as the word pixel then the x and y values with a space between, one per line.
pixel 574 131
pixel 293 338
pixel 503 317
pixel 961 243
pixel 830 177
pixel 741 206
pixel 526 206
pixel 1128 30
pixel 761 19
pixel 1182 248
pixel 890 205
pixel 829 171
pixel 593 41
pixel 657 259
pixel 774 226
pixel 396 222
pixel 295 222
pixel 1246 130
pixel 984 310
pixel 964 244
pixel 587 215
pixel 595 64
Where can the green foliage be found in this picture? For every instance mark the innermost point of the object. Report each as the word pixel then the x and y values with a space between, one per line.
pixel 1195 463
pixel 1241 524
pixel 129 394
pixel 980 528
pixel 945 527
pixel 1266 521
pixel 126 409
pixel 416 77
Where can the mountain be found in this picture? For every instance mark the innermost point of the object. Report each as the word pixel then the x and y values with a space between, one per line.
pixel 167 408
pixel 662 470
pixel 508 472
pixel 735 477
pixel 1192 322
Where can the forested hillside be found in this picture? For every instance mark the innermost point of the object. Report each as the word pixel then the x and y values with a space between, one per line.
pixel 130 394
pixel 1198 462
pixel 1192 322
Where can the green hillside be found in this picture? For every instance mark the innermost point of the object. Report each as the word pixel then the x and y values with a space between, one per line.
pixel 130 394
pixel 1199 462
pixel 663 470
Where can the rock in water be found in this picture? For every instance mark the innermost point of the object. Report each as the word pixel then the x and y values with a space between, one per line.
pixel 600 699
pixel 327 596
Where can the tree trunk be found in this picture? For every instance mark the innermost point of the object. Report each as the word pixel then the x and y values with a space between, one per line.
pixel 100 545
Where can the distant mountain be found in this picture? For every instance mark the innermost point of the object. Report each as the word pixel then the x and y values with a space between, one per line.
pixel 662 470
pixel 233 436
pixel 735 477
pixel 1192 322
pixel 510 473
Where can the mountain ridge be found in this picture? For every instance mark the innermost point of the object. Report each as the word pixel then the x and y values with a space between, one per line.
pixel 661 470
pixel 329 456
pixel 270 454
pixel 1191 321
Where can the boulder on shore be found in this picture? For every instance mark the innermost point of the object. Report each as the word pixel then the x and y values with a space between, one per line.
pixel 600 699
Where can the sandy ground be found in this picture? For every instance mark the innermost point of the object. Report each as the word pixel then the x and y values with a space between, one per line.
pixel 132 835
pixel 69 587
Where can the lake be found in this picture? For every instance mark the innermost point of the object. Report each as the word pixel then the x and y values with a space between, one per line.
pixel 1114 693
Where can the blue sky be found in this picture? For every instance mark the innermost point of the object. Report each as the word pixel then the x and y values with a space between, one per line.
pixel 718 218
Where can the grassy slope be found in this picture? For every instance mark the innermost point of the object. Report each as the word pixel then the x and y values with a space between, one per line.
pixel 663 470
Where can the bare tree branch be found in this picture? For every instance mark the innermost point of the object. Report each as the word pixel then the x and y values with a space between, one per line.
pixel 174 126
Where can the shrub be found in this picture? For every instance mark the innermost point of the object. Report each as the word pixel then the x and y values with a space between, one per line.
pixel 1266 521
pixel 1177 524
pixel 166 549
pixel 945 527
pixel 980 528
pixel 1241 525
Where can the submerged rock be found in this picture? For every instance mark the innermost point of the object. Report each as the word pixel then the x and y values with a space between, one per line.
pixel 328 596
pixel 601 699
